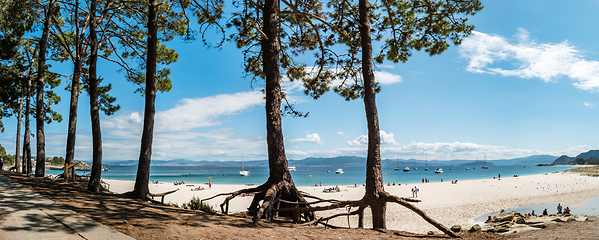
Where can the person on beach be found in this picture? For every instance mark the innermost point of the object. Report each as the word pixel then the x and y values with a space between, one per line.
pixel 423 180
pixel 412 192
pixel 533 213
pixel 567 210
pixel 545 212
pixel 559 209
pixel 416 191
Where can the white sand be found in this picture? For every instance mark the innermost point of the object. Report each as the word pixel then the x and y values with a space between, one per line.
pixel 445 202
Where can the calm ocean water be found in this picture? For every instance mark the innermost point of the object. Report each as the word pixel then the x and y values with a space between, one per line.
pixel 306 176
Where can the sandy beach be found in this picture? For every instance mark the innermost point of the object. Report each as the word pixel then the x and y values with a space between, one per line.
pixel 446 202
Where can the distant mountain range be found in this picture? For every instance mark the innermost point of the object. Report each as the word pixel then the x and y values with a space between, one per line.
pixel 347 161
pixel 565 160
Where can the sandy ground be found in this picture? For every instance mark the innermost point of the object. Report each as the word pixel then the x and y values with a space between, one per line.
pixel 445 202
pixel 151 221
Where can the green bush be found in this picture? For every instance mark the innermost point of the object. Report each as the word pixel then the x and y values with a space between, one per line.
pixel 9 160
pixel 196 204
pixel 173 205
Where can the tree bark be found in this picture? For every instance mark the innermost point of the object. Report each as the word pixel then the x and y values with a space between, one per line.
pixel 26 139
pixel 40 114
pixel 145 156
pixel 18 147
pixel 94 180
pixel 69 173
pixel 72 132
pixel 374 177
pixel 277 161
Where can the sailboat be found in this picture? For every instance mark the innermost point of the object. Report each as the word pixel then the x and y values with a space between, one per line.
pixel 396 166
pixel 425 163
pixel 244 172
pixel 485 166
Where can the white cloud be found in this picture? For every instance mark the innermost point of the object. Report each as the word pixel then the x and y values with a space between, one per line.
pixel 340 133
pixel 385 66
pixel 387 138
pixel 180 132
pixel 187 115
pixel 547 61
pixel 591 105
pixel 359 141
pixel 363 140
pixel 310 138
pixel 386 78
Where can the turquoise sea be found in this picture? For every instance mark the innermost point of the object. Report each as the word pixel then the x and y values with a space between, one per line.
pixel 306 176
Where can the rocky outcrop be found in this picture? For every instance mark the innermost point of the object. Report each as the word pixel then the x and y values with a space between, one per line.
pixel 512 222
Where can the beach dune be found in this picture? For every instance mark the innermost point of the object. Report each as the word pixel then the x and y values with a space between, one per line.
pixel 445 202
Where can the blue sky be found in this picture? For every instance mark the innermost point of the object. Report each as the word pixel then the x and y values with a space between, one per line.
pixel 524 83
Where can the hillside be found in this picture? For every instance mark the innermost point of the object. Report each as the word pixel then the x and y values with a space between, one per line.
pixel 342 161
pixel 565 160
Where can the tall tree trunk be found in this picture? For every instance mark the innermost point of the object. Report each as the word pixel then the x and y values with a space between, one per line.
pixel 277 161
pixel 374 177
pixel 18 148
pixel 40 114
pixel 145 156
pixel 69 173
pixel 72 132
pixel 94 180
pixel 27 135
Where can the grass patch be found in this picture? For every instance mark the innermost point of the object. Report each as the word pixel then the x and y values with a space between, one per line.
pixel 585 171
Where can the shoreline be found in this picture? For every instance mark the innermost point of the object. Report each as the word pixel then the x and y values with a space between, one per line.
pixel 443 201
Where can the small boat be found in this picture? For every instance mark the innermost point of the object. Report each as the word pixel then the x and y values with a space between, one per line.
pixel 425 163
pixel 243 172
pixel 406 169
pixel 339 171
pixel 466 168
pixel 439 170
pixel 415 168
pixel 396 166
pixel 291 169
pixel 485 165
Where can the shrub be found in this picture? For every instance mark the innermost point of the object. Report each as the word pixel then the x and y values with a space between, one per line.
pixel 196 204
pixel 173 205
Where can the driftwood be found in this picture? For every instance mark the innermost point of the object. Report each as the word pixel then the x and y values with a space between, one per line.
pixel 152 195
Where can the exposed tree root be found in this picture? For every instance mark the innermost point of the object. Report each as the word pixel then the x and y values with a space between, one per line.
pixel 362 204
pixel 268 199
pixel 283 198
